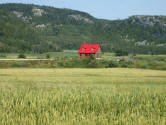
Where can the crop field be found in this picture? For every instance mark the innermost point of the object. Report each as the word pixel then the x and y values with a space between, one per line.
pixel 114 96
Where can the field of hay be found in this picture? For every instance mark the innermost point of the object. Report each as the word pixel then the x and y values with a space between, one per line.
pixel 82 97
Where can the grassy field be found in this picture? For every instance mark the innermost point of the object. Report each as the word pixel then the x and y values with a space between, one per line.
pixel 68 59
pixel 65 53
pixel 82 97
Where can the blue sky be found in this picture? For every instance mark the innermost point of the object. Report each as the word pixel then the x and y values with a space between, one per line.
pixel 105 9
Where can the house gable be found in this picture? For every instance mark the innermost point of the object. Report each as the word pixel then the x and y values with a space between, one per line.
pixel 99 50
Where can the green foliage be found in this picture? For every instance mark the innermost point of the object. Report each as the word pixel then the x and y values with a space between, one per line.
pixel 139 61
pixel 47 56
pixel 80 63
pixel 21 56
pixel 92 58
pixel 126 63
pixel 121 53
pixel 150 62
pixel 112 64
pixel 56 30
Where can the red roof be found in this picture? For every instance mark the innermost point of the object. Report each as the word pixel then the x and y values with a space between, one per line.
pixel 89 48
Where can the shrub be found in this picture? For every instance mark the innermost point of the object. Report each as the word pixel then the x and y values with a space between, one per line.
pixel 47 56
pixel 121 53
pixel 113 64
pixel 21 56
pixel 92 64
pixel 92 57
pixel 125 63
pixel 60 64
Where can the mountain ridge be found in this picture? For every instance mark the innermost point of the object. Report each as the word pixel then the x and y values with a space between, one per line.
pixel 37 29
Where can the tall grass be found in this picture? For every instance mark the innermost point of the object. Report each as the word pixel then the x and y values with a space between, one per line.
pixel 82 96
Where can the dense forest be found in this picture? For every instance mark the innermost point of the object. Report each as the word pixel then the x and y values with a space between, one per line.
pixel 38 29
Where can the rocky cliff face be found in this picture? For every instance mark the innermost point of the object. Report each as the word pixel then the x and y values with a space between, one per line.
pixel 149 21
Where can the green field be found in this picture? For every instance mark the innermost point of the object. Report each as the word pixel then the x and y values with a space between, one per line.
pixel 53 55
pixel 69 59
pixel 82 97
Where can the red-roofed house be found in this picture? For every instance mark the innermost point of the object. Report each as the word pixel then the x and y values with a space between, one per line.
pixel 86 50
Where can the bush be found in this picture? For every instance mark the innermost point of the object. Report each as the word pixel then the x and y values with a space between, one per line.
pixel 121 53
pixel 47 56
pixel 92 64
pixel 92 57
pixel 113 64
pixel 125 63
pixel 21 56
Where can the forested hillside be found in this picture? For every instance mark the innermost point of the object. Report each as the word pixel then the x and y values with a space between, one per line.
pixel 37 29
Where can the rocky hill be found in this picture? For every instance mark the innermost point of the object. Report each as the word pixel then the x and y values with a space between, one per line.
pixel 37 29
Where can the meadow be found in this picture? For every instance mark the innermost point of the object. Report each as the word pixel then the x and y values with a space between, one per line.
pixel 69 59
pixel 53 55
pixel 114 96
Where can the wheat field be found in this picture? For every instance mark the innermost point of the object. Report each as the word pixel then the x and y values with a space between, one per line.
pixel 82 97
